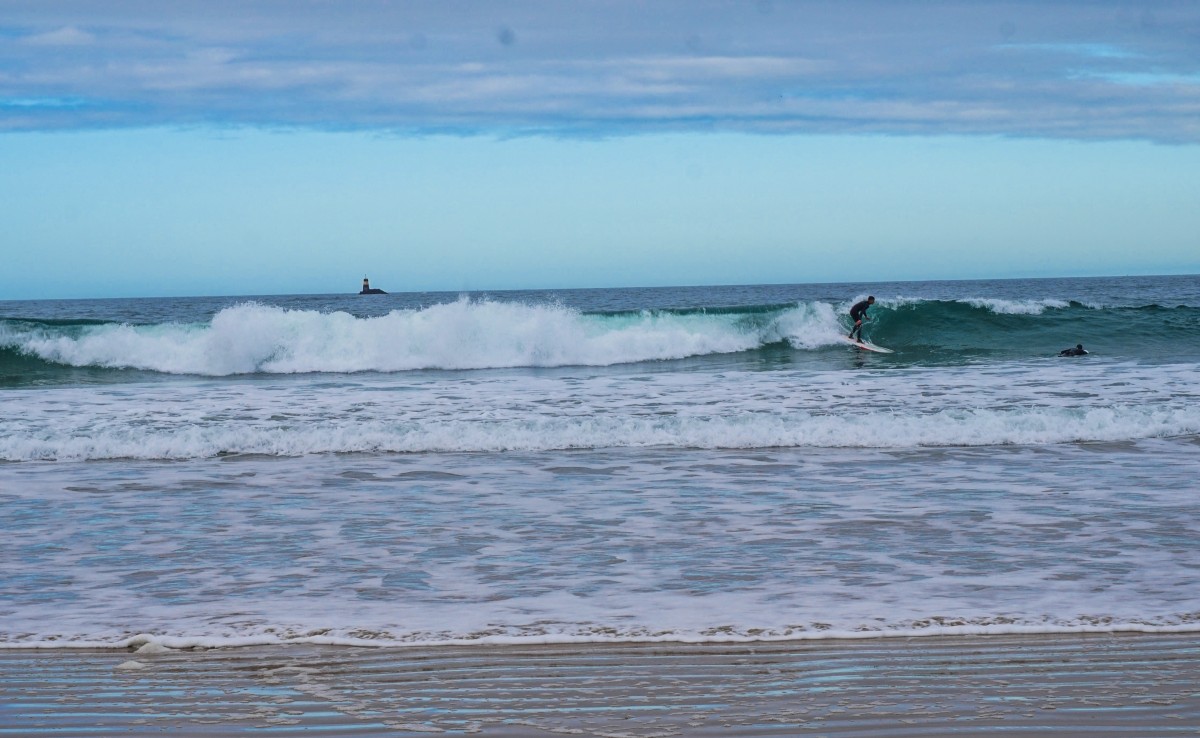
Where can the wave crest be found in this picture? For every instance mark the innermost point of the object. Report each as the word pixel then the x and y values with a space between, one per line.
pixel 466 334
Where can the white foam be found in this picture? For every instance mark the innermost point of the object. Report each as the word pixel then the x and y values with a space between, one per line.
pixel 467 334
pixel 152 647
pixel 999 306
pixel 1016 307
pixel 812 325
pixel 609 634
pixel 1044 403
pixel 666 545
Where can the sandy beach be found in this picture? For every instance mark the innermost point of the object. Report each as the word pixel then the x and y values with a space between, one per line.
pixel 1054 685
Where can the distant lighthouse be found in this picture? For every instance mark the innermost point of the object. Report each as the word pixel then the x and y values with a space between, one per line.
pixel 368 290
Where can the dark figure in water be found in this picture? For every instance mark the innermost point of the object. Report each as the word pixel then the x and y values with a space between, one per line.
pixel 858 314
pixel 1077 351
pixel 369 290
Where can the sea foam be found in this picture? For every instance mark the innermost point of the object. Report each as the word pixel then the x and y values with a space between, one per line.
pixel 500 411
pixel 466 334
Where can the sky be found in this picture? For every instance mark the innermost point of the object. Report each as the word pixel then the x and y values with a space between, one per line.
pixel 223 147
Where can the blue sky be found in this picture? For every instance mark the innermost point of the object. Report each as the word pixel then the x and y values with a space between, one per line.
pixel 252 147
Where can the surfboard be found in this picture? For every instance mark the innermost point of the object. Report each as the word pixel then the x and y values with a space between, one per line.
pixel 869 346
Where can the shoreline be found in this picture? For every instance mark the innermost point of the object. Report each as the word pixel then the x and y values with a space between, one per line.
pixel 1049 684
pixel 947 628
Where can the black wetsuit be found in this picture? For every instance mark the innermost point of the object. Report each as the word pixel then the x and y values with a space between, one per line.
pixel 857 313
pixel 1077 351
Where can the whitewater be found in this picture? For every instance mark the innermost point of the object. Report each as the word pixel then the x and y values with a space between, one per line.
pixel 465 334
pixel 495 412
pixel 689 464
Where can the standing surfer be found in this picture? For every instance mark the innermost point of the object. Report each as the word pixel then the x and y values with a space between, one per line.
pixel 858 314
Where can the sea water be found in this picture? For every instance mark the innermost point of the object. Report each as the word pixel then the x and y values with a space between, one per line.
pixel 686 464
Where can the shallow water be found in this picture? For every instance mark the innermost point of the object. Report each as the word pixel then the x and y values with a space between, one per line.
pixel 778 492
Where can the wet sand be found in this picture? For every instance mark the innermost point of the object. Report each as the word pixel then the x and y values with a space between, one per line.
pixel 1129 685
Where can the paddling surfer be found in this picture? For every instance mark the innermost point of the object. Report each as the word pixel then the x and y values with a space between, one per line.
pixel 1079 350
pixel 858 314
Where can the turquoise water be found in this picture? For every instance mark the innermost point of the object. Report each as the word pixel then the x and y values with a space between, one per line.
pixel 672 463
pixel 932 323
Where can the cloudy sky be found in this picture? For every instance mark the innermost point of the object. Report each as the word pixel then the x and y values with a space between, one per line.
pixel 260 147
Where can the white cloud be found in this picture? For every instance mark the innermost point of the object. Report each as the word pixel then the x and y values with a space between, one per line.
pixel 65 36
pixel 604 66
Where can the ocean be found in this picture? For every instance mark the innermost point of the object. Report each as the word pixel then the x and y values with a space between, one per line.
pixel 706 464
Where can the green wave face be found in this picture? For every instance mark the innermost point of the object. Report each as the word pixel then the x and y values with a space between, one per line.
pixel 940 328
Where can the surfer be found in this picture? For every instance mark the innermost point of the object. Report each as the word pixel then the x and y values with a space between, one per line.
pixel 858 314
pixel 1079 350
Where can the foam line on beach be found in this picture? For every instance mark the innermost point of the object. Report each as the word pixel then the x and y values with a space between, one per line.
pixel 156 643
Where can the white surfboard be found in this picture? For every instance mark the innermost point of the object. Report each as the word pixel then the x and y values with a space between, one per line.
pixel 869 346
